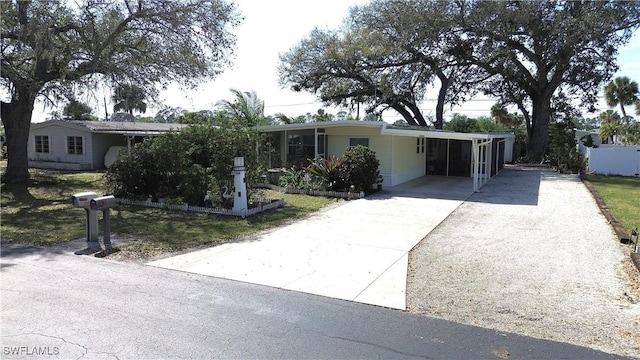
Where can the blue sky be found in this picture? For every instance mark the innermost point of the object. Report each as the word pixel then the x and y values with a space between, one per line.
pixel 273 27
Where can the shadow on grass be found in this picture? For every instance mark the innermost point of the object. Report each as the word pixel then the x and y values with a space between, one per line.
pixel 42 214
pixel 624 181
pixel 16 193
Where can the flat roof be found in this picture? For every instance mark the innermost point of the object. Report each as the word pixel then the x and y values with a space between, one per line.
pixel 387 129
pixel 113 127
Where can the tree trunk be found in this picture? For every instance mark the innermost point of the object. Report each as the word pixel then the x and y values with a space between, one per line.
pixel 538 133
pixel 417 114
pixel 444 86
pixel 405 113
pixel 16 118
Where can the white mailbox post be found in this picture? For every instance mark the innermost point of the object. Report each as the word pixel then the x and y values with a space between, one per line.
pixel 83 200
pixel 240 186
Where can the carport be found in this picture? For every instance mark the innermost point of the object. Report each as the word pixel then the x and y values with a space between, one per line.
pixel 433 152
pixel 476 155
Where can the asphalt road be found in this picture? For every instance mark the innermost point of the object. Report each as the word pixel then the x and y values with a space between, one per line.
pixel 56 305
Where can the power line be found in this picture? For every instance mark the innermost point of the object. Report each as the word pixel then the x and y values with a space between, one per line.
pixel 288 105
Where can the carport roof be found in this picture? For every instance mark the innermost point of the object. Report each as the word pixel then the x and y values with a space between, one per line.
pixel 386 129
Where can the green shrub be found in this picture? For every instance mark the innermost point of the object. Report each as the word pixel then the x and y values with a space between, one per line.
pixel 151 169
pixel 329 171
pixel 188 163
pixel 292 178
pixel 360 168
pixel 563 153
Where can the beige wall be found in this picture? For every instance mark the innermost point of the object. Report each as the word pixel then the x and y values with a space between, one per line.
pixel 399 159
pixel 338 142
pixel 408 163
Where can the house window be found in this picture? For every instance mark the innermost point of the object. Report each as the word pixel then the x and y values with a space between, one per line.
pixel 74 145
pixel 302 145
pixel 42 144
pixel 358 141
pixel 420 145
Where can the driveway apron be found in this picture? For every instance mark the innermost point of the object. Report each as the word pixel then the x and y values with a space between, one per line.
pixel 357 251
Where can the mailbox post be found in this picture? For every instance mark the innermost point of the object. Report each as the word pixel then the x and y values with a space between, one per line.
pixel 104 203
pixel 83 200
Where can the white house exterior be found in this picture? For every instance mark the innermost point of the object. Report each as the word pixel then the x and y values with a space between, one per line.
pixel 404 154
pixel 82 145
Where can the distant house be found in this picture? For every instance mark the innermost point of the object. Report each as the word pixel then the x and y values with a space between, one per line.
pixel 84 145
pixel 404 154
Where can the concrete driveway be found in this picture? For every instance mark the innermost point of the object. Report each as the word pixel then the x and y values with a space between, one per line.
pixel 356 252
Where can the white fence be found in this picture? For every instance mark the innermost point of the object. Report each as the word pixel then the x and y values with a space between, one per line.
pixel 265 205
pixel 614 160
pixel 336 194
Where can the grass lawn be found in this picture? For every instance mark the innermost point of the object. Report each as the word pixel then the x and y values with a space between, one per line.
pixel 622 196
pixel 42 214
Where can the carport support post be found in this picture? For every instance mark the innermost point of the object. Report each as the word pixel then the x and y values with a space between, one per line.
pixel 476 159
pixel 92 229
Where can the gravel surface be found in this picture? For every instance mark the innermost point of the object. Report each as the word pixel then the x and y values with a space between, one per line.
pixel 531 254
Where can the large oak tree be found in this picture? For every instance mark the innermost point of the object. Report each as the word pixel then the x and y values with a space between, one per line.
pixel 526 53
pixel 541 50
pixel 55 47
pixel 384 56
pixel 353 65
pixel 421 34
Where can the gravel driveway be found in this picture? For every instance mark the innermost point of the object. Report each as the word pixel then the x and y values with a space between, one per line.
pixel 530 254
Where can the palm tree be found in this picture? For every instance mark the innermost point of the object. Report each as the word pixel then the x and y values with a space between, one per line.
pixel 246 106
pixel 129 98
pixel 321 116
pixel 610 125
pixel 621 91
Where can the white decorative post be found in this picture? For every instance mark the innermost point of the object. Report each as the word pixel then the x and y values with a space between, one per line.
pixel 240 186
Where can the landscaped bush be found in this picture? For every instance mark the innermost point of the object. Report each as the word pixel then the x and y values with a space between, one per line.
pixel 291 178
pixel 360 168
pixel 300 179
pixel 357 167
pixel 188 163
pixel 150 169
pixel 563 153
pixel 329 171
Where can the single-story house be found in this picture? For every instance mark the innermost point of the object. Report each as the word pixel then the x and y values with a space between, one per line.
pixel 404 153
pixel 86 145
